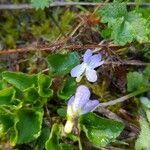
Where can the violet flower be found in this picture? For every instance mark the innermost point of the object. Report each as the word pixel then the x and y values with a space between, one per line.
pixel 78 105
pixel 90 62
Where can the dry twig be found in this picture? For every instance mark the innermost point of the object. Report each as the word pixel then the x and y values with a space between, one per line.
pixel 57 4
pixel 55 47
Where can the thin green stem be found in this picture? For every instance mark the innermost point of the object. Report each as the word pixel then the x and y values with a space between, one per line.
pixel 121 99
pixel 80 144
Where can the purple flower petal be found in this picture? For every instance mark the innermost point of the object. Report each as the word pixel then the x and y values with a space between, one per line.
pixel 87 55
pixel 81 97
pixel 78 70
pixel 91 104
pixel 71 100
pixel 101 62
pixel 91 75
pixel 95 61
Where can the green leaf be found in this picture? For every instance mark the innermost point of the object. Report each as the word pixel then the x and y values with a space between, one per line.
pixel 53 141
pixel 44 83
pixel 61 64
pixel 7 121
pixel 137 26
pixel 31 95
pixel 43 138
pixel 62 112
pixel 138 81
pixel 126 26
pixel 112 11
pixel 27 126
pixel 68 89
pixel 147 72
pixel 100 131
pixel 134 81
pixel 66 146
pixel 148 114
pixel 20 80
pixel 146 106
pixel 145 102
pixel 41 4
pixel 2 85
pixel 6 96
pixel 106 33
pixel 143 141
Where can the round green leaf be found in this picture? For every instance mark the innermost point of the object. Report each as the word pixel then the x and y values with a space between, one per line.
pixel 68 89
pixel 100 131
pixel 43 138
pixel 53 141
pixel 27 126
pixel 7 121
pixel 61 64
pixel 6 96
pixel 31 95
pixel 62 112
pixel 44 83
pixel 20 80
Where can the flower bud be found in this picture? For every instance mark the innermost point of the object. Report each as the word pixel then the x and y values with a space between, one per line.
pixel 68 126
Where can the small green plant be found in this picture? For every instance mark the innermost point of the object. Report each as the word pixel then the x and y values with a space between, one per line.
pixel 125 26
pixel 41 4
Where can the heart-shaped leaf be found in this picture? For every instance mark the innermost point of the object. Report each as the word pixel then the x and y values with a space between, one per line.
pixel 20 80
pixel 43 138
pixel 6 121
pixel 100 131
pixel 68 89
pixel 6 96
pixel 27 126
pixel 31 95
pixel 2 85
pixel 61 64
pixel 44 83
pixel 143 141
pixel 53 141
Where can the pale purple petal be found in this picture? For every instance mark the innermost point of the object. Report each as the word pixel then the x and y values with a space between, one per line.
pixel 71 100
pixel 95 61
pixel 78 70
pixel 69 107
pixel 91 75
pixel 81 97
pixel 91 104
pixel 101 62
pixel 87 55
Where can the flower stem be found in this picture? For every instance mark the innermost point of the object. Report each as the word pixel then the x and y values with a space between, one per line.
pixel 80 144
pixel 121 99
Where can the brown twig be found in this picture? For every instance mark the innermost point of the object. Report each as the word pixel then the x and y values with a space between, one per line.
pixel 129 62
pixel 109 114
pixel 31 49
pixel 56 4
pixel 48 115
pixel 55 47
pixel 58 46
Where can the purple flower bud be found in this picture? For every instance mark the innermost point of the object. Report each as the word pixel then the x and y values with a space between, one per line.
pixel 78 105
pixel 90 62
pixel 81 103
